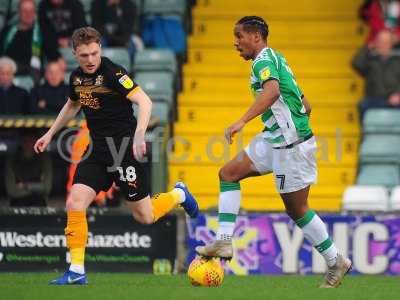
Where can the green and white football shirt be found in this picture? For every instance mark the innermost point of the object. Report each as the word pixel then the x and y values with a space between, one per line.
pixel 286 121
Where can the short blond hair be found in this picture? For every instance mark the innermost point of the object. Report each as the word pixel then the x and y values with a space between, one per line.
pixel 85 35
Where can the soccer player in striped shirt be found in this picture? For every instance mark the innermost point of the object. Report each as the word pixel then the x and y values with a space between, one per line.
pixel 286 148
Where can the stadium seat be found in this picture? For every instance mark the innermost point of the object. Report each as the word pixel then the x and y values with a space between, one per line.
pixel 87 4
pixel 155 60
pixel 381 148
pixel 119 56
pixel 69 58
pixel 395 198
pixel 2 20
pixel 164 7
pixel 382 121
pixel 25 82
pixel 66 77
pixel 366 198
pixel 161 111
pixel 375 174
pixel 159 85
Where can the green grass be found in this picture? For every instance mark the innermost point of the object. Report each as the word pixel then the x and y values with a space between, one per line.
pixel 118 286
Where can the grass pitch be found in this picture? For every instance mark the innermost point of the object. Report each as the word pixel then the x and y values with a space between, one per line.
pixel 118 286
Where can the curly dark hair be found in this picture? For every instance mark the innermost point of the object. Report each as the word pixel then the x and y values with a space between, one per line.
pixel 254 24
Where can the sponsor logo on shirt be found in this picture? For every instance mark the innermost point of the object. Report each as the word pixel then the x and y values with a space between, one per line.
pixel 77 81
pixel 265 73
pixel 99 80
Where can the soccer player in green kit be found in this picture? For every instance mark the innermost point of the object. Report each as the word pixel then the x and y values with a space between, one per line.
pixel 286 148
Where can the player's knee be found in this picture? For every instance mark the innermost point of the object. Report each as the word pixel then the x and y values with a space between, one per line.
pixel 75 201
pixel 228 175
pixel 143 218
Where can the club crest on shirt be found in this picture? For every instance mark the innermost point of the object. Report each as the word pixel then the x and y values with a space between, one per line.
pixel 99 80
pixel 126 82
pixel 77 81
pixel 265 73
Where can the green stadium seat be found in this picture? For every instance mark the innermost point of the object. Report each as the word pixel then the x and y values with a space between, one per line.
pixel 376 174
pixel 380 148
pixel 25 82
pixel 382 121
pixel 165 7
pixel 155 60
pixel 138 4
pixel 2 20
pixel 66 77
pixel 158 85
pixel 3 6
pixel 119 56
pixel 69 58
pixel 86 5
pixel 161 111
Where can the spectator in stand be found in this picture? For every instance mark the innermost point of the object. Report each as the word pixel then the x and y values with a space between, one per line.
pixel 50 97
pixel 380 15
pixel 380 67
pixel 115 20
pixel 13 100
pixel 28 177
pixel 59 19
pixel 24 42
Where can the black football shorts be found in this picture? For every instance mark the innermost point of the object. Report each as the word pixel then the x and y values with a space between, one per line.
pixel 99 171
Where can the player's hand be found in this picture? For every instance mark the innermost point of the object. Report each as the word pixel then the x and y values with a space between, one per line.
pixel 232 130
pixel 139 146
pixel 42 143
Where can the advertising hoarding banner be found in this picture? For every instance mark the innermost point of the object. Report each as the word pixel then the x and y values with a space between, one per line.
pixel 36 242
pixel 273 244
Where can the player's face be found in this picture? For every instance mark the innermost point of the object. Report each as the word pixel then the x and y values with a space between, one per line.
pixel 244 42
pixel 89 57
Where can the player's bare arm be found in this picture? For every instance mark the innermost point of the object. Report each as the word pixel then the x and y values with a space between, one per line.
pixel 265 100
pixel 144 103
pixel 68 112
pixel 307 105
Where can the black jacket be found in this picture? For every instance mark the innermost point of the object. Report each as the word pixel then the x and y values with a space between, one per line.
pixel 382 77
pixel 61 21
pixel 116 22
pixel 55 98
pixel 20 49
pixel 14 101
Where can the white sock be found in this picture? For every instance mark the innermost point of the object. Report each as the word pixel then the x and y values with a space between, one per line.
pixel 228 209
pixel 80 269
pixel 315 232
pixel 181 194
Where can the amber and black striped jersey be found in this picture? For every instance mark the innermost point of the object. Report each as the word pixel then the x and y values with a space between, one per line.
pixel 103 97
